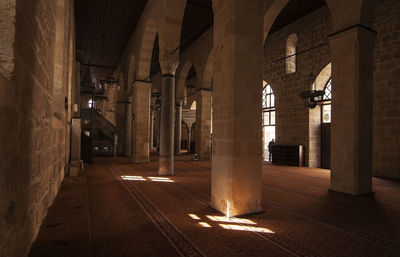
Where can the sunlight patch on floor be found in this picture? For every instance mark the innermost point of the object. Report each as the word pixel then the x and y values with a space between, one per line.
pixel 141 178
pixel 230 220
pixel 160 179
pixel 194 216
pixel 138 178
pixel 204 224
pixel 246 228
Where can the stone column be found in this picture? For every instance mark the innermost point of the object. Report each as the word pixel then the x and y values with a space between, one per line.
pixel 152 127
pixel 128 127
pixel 238 71
pixel 158 128
pixel 141 121
pixel 178 126
pixel 189 145
pixel 166 160
pixel 351 127
pixel 203 125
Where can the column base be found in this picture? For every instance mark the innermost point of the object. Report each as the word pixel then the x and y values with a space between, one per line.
pixel 352 194
pixel 237 208
pixel 140 159
pixel 166 166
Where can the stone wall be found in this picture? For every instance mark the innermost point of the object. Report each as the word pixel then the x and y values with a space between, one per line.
pixel 292 116
pixel 386 141
pixel 35 148
pixel 7 37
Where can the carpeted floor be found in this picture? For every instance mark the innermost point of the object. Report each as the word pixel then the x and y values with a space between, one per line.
pixel 116 208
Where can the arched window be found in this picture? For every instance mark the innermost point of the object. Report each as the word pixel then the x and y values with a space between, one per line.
pixel 268 105
pixel 326 106
pixel 90 103
pixel 291 45
pixel 268 118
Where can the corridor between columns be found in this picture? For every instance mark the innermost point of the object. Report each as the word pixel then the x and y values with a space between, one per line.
pixel 103 210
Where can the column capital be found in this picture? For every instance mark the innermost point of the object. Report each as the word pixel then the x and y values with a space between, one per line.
pixel 356 28
pixel 168 67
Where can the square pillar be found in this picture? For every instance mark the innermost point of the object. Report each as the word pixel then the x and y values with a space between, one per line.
pixel 178 126
pixel 128 127
pixel 351 128
pixel 238 71
pixel 141 121
pixel 203 124
pixel 76 139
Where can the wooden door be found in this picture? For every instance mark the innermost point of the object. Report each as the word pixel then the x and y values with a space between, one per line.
pixel 326 145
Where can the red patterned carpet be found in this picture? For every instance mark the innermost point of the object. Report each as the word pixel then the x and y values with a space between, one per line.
pixel 116 208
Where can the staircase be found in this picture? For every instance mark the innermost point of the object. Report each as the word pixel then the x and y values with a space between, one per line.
pixel 102 132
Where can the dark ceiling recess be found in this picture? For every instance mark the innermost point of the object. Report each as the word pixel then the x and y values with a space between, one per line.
pixel 155 62
pixel 103 29
pixel 191 73
pixel 198 18
pixel 294 10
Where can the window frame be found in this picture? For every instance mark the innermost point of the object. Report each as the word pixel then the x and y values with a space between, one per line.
pixel 268 106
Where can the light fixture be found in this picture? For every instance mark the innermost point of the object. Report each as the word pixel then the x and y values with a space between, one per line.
pixel 312 97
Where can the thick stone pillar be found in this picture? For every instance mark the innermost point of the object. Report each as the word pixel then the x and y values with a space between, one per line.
pixel 178 126
pixel 166 159
pixel 203 124
pixel 151 127
pixel 128 127
pixel 238 70
pixel 351 127
pixel 141 121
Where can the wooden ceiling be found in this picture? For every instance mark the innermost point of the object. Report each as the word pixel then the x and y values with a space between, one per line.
pixel 103 27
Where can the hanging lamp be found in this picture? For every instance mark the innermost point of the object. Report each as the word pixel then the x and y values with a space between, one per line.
pixel 312 97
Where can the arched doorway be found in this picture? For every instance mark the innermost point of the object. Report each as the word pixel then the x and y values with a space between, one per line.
pixel 268 119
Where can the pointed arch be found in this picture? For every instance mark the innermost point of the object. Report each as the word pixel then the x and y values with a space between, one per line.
pixel 131 73
pixel 146 49
pixel 209 71
pixel 274 8
pixel 181 78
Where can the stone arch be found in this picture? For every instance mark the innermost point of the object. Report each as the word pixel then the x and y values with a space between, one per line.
pixel 146 49
pixel 273 10
pixel 209 71
pixel 323 77
pixel 131 73
pixel 349 13
pixel 181 79
pixel 291 49
pixel 170 24
pixel 314 122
